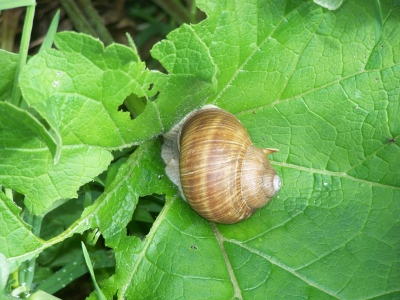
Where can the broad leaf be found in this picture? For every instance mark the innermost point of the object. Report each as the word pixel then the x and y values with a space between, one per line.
pixel 301 78
pixel 312 83
pixel 112 211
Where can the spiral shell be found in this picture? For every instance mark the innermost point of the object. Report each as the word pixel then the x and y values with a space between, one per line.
pixel 221 174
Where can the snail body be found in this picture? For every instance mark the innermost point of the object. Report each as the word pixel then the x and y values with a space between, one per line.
pixel 220 173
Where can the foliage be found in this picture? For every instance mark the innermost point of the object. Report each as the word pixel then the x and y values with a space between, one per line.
pixel 310 81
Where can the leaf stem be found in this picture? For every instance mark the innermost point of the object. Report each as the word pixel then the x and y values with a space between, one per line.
pixel 78 19
pixel 193 12
pixel 9 27
pixel 23 53
pixel 86 19
pixel 175 10
pixel 27 269
pixel 9 193
pixel 96 22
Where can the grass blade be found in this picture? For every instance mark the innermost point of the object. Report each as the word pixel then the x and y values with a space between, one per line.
pixel 89 264
pixel 48 40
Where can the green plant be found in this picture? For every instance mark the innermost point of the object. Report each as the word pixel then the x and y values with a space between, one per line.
pixel 316 84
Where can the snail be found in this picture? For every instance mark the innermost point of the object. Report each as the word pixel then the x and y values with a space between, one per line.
pixel 210 157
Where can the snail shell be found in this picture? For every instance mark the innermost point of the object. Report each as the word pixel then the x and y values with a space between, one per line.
pixel 220 173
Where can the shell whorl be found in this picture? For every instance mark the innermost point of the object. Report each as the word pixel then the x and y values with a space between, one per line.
pixel 222 175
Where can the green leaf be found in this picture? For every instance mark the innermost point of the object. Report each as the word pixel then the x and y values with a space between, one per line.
pixel 4 272
pixel 311 82
pixel 79 88
pixel 327 97
pixel 18 128
pixel 16 237
pixel 7 4
pixel 8 65
pixel 44 183
pixel 141 175
pixel 192 77
pixel 112 211
pixel 90 267
pixel 49 38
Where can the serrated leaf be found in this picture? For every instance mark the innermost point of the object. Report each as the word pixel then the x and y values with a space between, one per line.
pixel 141 175
pixel 34 173
pixel 31 164
pixel 79 87
pixel 327 97
pixel 112 211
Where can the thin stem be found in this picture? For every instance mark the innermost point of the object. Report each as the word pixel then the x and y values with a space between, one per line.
pixel 96 22
pixel 193 12
pixel 9 193
pixel 175 10
pixel 23 53
pixel 27 270
pixel 77 17
pixel 10 24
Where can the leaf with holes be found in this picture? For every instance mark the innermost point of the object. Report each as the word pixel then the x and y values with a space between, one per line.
pixel 312 83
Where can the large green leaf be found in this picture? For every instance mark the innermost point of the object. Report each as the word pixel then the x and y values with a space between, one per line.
pixel 77 89
pixel 312 83
pixel 301 78
pixel 111 212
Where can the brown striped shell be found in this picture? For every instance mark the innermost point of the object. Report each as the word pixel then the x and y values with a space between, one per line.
pixel 221 174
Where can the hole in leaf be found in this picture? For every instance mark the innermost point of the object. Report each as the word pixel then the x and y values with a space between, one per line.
pixel 134 105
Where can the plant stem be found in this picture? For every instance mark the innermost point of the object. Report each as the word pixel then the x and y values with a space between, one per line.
pixel 23 53
pixel 175 10
pixel 86 19
pixel 193 12
pixel 10 24
pixel 135 105
pixel 9 193
pixel 27 269
pixel 78 19
pixel 96 21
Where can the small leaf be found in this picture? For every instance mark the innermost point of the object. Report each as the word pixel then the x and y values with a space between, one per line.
pixel 17 239
pixel 49 38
